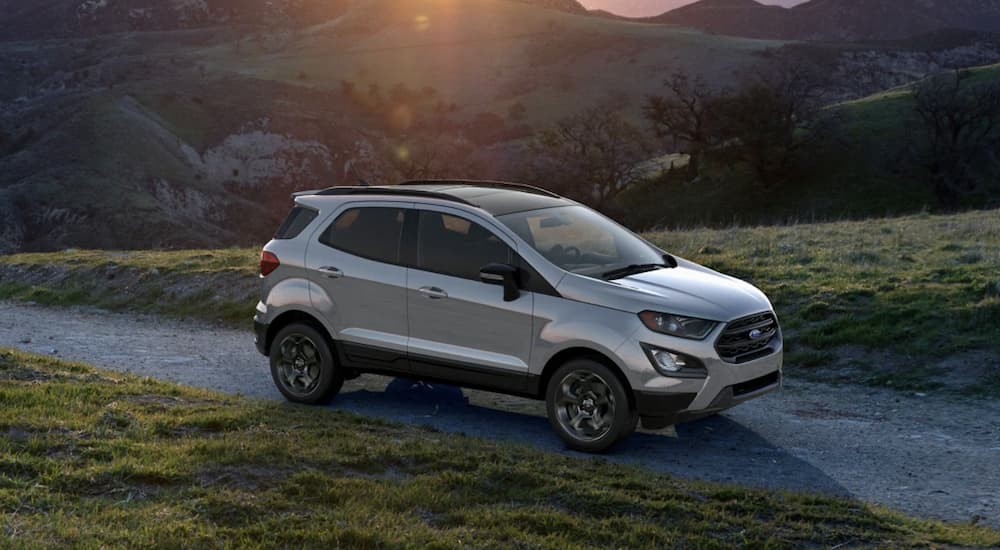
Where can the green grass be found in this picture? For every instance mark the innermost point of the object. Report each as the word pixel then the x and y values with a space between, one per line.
pixel 236 260
pixel 97 459
pixel 215 285
pixel 911 292
pixel 925 284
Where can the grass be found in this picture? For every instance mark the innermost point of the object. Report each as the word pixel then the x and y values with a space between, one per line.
pixel 96 459
pixel 909 292
pixel 891 298
pixel 216 285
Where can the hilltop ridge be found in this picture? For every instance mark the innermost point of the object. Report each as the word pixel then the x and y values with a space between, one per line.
pixel 840 20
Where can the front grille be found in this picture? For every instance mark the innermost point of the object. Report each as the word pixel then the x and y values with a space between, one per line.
pixel 736 345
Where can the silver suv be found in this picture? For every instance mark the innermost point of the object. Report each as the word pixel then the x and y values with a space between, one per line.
pixel 512 289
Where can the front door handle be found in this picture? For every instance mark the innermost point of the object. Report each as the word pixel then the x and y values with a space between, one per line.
pixel 433 292
pixel 331 272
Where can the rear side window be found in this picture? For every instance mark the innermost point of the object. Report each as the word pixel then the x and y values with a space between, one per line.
pixel 456 246
pixel 297 220
pixel 373 233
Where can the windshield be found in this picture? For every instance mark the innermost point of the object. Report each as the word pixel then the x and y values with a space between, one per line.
pixel 581 241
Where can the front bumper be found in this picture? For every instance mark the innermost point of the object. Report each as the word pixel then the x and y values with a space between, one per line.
pixel 662 410
pixel 664 400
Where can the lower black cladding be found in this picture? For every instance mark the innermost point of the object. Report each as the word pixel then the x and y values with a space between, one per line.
pixel 760 383
pixel 260 337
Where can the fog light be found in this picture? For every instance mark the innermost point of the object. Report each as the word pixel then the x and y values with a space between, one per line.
pixel 673 364
pixel 667 361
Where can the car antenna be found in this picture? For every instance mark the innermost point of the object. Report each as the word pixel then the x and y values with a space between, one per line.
pixel 363 183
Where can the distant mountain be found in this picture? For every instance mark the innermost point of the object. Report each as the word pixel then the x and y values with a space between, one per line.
pixel 569 6
pixel 25 20
pixel 649 8
pixel 836 20
pixel 20 20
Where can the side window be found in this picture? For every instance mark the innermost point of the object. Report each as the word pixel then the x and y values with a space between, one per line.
pixel 373 233
pixel 456 246
pixel 295 222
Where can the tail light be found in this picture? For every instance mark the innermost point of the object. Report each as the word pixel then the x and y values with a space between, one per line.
pixel 268 263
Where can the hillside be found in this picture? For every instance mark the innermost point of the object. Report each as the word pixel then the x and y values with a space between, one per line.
pixel 195 137
pixel 84 18
pixel 866 171
pixel 836 20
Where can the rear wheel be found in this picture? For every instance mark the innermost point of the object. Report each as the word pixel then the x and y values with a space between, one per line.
pixel 303 366
pixel 588 406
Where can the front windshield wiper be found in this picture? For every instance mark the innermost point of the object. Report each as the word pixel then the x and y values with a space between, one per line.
pixel 631 270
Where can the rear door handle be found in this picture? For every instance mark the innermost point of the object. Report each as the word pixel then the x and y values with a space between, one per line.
pixel 433 292
pixel 331 272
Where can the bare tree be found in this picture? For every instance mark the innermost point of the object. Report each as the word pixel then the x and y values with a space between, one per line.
pixel 684 115
pixel 773 119
pixel 435 157
pixel 387 159
pixel 960 120
pixel 594 155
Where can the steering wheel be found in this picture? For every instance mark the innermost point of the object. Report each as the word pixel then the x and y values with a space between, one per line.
pixel 568 253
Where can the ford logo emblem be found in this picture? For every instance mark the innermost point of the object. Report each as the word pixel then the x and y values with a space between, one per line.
pixel 756 334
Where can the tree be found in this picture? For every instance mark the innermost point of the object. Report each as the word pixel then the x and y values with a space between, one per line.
pixel 684 115
pixel 594 155
pixel 960 120
pixel 435 156
pixel 420 155
pixel 771 121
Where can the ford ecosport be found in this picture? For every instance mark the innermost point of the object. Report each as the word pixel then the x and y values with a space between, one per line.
pixel 513 289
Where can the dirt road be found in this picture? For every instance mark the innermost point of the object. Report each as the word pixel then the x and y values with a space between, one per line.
pixel 931 456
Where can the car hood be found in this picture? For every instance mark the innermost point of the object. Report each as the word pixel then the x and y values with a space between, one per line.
pixel 688 289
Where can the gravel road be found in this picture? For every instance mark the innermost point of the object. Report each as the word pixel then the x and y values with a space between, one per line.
pixel 930 456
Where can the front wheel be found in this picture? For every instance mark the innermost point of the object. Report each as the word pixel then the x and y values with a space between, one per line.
pixel 588 406
pixel 303 366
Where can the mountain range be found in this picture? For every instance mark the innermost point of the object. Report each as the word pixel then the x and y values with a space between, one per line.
pixel 813 20
pixel 649 8
pixel 836 20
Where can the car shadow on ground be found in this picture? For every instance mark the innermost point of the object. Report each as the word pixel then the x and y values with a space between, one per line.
pixel 714 449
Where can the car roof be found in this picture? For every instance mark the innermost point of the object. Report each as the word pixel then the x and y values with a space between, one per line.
pixel 497 198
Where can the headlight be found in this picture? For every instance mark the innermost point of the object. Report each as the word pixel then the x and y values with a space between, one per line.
pixel 675 325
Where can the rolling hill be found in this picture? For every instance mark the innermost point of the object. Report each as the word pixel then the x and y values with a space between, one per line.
pixel 836 20
pixel 649 8
pixel 81 18
pixel 195 136
pixel 865 173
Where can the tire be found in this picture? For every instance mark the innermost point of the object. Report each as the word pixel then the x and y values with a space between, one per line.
pixel 303 365
pixel 588 406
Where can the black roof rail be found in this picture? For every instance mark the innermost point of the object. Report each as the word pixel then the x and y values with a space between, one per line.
pixel 335 191
pixel 487 183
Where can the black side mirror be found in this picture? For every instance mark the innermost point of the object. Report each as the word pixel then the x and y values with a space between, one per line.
pixel 503 275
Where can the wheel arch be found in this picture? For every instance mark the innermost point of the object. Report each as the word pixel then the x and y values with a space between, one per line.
pixel 295 316
pixel 579 352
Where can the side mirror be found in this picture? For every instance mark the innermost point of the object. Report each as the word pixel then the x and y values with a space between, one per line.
pixel 503 275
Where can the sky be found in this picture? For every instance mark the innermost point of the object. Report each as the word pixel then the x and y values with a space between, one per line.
pixel 643 8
